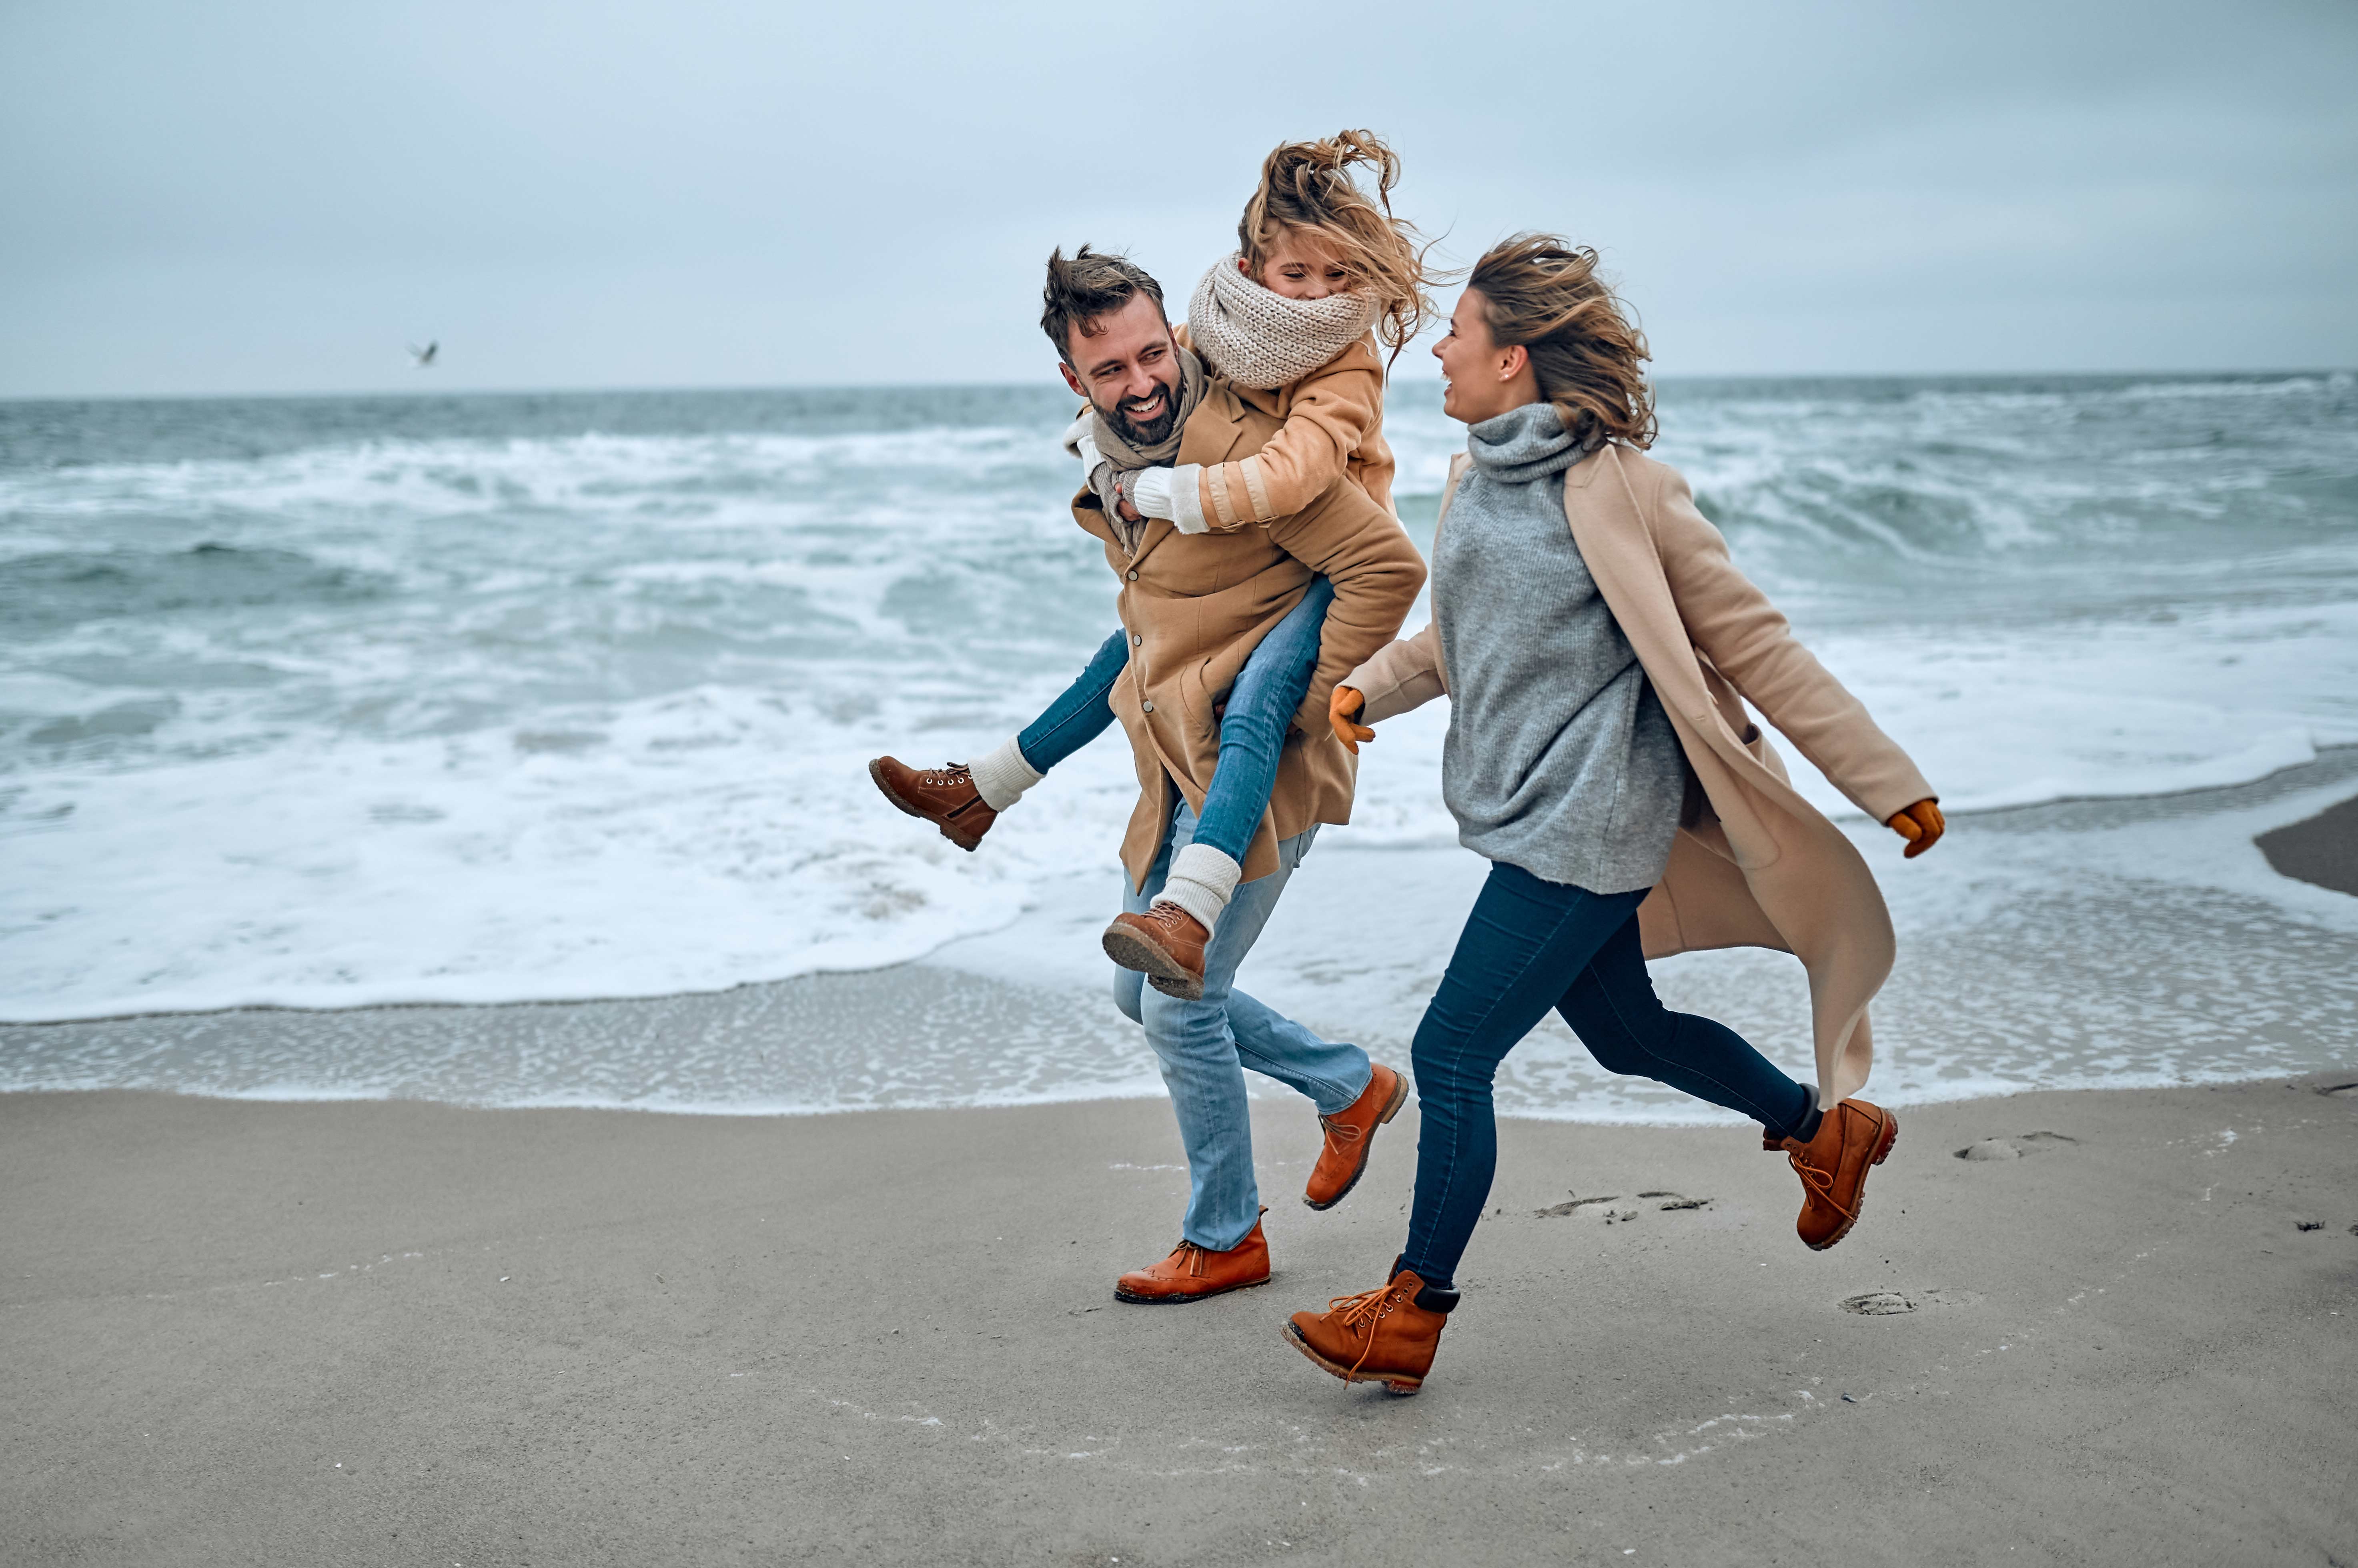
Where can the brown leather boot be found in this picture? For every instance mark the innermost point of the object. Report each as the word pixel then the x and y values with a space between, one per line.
pixel 1191 1273
pixel 1167 944
pixel 944 797
pixel 1385 1335
pixel 1350 1134
pixel 1852 1138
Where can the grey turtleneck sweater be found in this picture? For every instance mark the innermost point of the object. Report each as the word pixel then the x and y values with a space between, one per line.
pixel 1559 759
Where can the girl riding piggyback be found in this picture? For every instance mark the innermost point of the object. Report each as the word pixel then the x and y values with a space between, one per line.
pixel 1325 278
pixel 1322 273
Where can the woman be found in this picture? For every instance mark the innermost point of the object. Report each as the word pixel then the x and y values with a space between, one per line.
pixel 1595 642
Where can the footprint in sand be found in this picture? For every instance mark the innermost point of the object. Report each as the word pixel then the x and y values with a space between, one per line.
pixel 2013 1148
pixel 1889 1304
pixel 1620 1216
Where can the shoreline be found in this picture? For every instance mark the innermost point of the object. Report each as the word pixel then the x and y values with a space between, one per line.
pixel 2051 948
pixel 384 1331
pixel 2319 855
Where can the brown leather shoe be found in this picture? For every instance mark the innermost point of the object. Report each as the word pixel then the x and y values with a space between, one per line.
pixel 1379 1336
pixel 944 797
pixel 1191 1273
pixel 1350 1134
pixel 1852 1138
pixel 1167 944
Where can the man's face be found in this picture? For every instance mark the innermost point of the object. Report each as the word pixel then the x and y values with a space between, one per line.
pixel 1128 368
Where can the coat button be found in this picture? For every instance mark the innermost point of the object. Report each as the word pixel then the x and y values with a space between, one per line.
pixel 1146 707
pixel 1133 576
pixel 1135 639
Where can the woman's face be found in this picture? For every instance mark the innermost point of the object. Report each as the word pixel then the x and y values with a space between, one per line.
pixel 1479 380
pixel 1302 265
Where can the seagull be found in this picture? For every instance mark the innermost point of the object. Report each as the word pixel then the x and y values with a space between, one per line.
pixel 425 356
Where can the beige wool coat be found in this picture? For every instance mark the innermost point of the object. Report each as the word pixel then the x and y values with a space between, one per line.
pixel 1195 606
pixel 1761 867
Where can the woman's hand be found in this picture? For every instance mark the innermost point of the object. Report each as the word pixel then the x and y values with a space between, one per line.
pixel 1921 825
pixel 1343 710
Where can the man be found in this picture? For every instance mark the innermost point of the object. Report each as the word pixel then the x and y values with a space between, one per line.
pixel 1193 608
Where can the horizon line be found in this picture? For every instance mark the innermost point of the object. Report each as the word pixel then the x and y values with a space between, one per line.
pixel 821 386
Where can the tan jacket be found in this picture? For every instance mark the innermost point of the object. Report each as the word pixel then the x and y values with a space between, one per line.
pixel 1332 423
pixel 1196 605
pixel 1763 868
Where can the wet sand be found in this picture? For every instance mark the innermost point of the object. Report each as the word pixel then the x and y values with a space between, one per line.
pixel 2322 849
pixel 395 1331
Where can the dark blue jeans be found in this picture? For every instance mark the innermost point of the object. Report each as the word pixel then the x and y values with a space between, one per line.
pixel 1524 936
pixel 1260 707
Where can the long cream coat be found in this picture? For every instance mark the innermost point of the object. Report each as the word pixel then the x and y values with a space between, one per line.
pixel 1762 868
pixel 1196 605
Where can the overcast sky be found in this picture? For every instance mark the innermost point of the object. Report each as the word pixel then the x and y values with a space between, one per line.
pixel 242 196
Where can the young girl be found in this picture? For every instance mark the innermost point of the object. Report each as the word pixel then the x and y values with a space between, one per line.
pixel 1323 274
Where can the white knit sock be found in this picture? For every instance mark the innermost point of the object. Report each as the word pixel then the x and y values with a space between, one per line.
pixel 1202 881
pixel 1003 776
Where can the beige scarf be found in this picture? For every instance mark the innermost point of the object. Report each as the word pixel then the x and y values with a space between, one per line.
pixel 1264 340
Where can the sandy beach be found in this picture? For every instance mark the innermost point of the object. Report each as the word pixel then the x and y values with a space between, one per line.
pixel 406 1333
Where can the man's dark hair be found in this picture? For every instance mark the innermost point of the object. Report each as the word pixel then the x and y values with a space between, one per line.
pixel 1085 287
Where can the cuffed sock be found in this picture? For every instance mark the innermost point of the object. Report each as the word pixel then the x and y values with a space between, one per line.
pixel 1805 1126
pixel 1442 1299
pixel 1202 881
pixel 1002 776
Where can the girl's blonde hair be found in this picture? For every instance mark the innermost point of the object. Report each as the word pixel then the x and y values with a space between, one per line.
pixel 1308 186
pixel 1544 293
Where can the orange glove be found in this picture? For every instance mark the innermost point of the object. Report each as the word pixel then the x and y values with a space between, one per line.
pixel 1921 825
pixel 1343 710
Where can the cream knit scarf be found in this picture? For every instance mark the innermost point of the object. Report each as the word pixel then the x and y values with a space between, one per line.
pixel 1264 340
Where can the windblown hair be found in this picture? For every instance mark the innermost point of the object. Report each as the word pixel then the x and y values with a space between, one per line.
pixel 1308 186
pixel 1542 293
pixel 1087 285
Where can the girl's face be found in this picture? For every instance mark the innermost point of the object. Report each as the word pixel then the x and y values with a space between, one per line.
pixel 1300 265
pixel 1479 380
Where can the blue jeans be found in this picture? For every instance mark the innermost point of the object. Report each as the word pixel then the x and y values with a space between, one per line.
pixel 1523 938
pixel 1205 1046
pixel 1260 709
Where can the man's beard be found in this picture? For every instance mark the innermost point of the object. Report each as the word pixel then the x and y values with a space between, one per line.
pixel 1152 433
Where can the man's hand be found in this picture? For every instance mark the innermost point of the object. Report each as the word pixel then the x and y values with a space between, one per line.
pixel 1343 710
pixel 1921 825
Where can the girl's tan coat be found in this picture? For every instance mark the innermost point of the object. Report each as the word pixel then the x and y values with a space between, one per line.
pixel 1331 427
pixel 1762 868
pixel 1196 605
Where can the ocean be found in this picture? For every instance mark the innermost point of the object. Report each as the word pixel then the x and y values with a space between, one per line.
pixel 322 703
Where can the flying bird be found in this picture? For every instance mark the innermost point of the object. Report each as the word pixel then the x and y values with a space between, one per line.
pixel 425 356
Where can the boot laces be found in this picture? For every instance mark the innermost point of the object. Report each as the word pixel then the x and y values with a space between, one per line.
pixel 1821 1183
pixel 1360 1313
pixel 945 777
pixel 1188 1259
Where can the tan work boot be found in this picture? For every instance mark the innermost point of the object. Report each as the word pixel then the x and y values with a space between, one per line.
pixel 1852 1138
pixel 944 797
pixel 1191 1273
pixel 1385 1335
pixel 1165 943
pixel 1350 1135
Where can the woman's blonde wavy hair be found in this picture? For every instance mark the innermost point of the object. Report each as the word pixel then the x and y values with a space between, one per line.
pixel 1308 186
pixel 1542 292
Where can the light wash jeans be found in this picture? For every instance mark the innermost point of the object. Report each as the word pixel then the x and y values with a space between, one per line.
pixel 1205 1046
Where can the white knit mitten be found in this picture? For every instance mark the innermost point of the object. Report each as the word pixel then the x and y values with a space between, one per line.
pixel 1173 494
pixel 1202 881
pixel 1002 776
